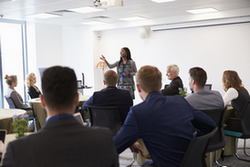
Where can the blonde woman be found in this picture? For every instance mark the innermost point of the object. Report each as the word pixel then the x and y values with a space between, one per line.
pixel 33 91
pixel 235 94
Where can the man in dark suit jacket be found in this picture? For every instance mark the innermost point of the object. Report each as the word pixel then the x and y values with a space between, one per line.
pixel 175 84
pixel 63 141
pixel 164 123
pixel 111 96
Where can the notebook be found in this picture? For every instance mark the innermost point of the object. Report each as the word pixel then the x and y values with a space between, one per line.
pixel 2 140
pixel 78 116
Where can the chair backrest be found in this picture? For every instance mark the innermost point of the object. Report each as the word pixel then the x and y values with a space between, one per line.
pixel 195 154
pixel 166 86
pixel 208 86
pixel 105 116
pixel 10 102
pixel 218 140
pixel 245 123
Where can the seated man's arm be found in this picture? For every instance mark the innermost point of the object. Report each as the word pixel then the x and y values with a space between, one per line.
pixel 88 102
pixel 202 122
pixel 173 88
pixel 128 134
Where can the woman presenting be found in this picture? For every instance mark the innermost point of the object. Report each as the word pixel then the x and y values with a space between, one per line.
pixel 126 69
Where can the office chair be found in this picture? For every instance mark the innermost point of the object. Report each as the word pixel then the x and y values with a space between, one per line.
pixel 218 141
pixel 245 126
pixel 12 106
pixel 105 116
pixel 195 154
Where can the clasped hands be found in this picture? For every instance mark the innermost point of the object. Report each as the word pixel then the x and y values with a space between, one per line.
pixel 136 147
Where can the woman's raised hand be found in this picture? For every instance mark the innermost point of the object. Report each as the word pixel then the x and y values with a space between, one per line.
pixel 103 58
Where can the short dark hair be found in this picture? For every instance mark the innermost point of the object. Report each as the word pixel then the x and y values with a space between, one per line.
pixel 59 87
pixel 110 78
pixel 198 75
pixel 149 78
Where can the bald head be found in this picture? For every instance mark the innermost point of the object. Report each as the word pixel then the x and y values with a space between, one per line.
pixel 110 78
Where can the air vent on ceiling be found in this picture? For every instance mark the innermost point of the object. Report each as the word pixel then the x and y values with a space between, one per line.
pixel 63 11
pixel 99 17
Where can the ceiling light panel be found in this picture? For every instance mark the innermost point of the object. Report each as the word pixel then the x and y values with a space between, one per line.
pixel 43 16
pixel 94 23
pixel 87 9
pixel 137 18
pixel 162 1
pixel 204 10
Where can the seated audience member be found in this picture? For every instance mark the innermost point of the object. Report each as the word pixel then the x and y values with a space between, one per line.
pixel 202 99
pixel 111 96
pixel 236 94
pixel 63 141
pixel 16 97
pixel 176 82
pixel 164 123
pixel 33 91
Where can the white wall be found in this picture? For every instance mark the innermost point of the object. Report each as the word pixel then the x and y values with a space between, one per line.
pixel 49 45
pixel 78 53
pixel 215 49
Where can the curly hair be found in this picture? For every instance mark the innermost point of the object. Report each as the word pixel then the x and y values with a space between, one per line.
pixel 30 82
pixel 10 79
pixel 231 79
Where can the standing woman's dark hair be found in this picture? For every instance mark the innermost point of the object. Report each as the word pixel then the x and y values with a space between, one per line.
pixel 126 69
pixel 128 54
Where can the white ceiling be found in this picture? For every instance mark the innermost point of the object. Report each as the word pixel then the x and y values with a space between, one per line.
pixel 157 13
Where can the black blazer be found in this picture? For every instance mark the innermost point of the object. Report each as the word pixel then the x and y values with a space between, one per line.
pixel 33 93
pixel 111 96
pixel 63 143
pixel 172 89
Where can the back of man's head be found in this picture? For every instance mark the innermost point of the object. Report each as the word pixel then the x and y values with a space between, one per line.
pixel 149 79
pixel 198 75
pixel 59 87
pixel 110 78
pixel 174 68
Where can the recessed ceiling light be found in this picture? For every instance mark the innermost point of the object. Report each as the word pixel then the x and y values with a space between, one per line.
pixel 204 10
pixel 87 9
pixel 132 18
pixel 94 23
pixel 162 1
pixel 44 16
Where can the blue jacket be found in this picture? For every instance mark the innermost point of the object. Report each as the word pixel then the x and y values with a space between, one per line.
pixel 165 123
pixel 111 96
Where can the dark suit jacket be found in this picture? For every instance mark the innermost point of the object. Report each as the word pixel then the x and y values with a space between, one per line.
pixel 165 123
pixel 111 96
pixel 172 89
pixel 63 143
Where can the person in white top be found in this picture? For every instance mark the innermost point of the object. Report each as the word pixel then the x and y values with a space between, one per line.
pixel 237 95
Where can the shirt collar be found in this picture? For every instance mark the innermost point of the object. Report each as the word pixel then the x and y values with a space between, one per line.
pixel 59 116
